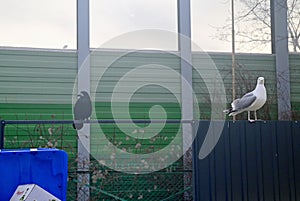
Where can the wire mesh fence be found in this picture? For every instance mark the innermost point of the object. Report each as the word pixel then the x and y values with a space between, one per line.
pixel 100 182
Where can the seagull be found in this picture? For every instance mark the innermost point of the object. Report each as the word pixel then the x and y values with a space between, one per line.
pixel 82 109
pixel 251 101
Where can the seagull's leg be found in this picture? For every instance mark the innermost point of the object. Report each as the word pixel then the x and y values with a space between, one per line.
pixel 255 115
pixel 249 119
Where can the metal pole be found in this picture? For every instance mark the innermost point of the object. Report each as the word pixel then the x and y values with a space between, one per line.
pixel 280 43
pixel 184 46
pixel 273 48
pixel 83 58
pixel 2 127
pixel 233 52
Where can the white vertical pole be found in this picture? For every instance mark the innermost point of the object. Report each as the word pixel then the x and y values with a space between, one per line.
pixel 184 29
pixel 83 50
pixel 184 45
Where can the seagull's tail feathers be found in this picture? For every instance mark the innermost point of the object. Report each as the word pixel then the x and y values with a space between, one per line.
pixel 232 111
pixel 227 111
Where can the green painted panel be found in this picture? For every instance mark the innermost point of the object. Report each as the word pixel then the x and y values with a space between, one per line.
pixel 64 112
pixel 158 81
pixel 294 61
pixel 47 76
pixel 28 71
pixel 37 76
pixel 162 136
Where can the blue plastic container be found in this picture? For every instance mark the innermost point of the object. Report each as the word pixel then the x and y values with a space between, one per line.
pixel 47 168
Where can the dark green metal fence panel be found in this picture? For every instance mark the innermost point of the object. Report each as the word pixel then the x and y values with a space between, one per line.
pixel 251 161
pixel 296 157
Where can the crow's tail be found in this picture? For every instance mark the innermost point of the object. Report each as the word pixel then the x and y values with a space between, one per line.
pixel 77 125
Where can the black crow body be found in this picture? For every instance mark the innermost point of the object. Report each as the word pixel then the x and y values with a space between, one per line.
pixel 82 109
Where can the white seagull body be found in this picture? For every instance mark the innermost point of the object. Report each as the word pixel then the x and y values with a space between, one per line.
pixel 251 101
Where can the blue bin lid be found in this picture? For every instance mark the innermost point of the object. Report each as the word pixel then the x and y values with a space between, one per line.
pixel 47 168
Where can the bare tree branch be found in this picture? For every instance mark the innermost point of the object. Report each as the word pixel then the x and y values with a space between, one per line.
pixel 253 25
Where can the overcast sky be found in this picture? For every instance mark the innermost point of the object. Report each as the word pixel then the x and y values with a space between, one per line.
pixel 52 23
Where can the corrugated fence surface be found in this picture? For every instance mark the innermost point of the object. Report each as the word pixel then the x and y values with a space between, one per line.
pixel 45 78
pixel 251 161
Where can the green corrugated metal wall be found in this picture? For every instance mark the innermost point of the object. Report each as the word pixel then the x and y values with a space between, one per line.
pixel 295 86
pixel 45 77
pixel 38 84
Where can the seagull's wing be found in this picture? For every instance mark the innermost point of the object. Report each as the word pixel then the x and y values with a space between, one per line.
pixel 243 103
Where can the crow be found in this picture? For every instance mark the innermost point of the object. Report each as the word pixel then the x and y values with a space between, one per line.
pixel 82 109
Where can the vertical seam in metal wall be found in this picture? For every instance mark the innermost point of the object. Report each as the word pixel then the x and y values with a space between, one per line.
pixel 244 162
pixel 227 163
pixel 277 190
pixel 260 164
pixel 291 161
pixel 231 192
